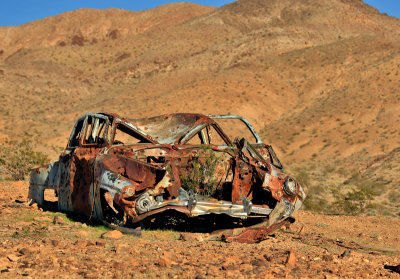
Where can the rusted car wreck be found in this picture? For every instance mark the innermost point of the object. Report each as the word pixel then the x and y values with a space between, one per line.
pixel 121 171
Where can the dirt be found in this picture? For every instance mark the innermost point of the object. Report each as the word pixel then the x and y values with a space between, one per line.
pixel 33 244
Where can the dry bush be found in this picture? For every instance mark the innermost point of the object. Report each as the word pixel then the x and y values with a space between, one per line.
pixel 17 159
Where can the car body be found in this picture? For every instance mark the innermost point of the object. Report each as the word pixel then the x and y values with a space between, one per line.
pixel 121 171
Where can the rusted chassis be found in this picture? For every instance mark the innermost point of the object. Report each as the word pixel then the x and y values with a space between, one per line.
pixel 122 184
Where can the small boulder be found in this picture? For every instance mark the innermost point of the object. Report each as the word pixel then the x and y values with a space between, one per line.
pixel 165 260
pixel 100 242
pixel 291 258
pixel 82 234
pixel 191 237
pixel 4 263
pixel 58 220
pixel 112 235
pixel 24 251
pixel 12 258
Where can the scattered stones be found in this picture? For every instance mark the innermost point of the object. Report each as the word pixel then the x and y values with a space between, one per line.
pixel 6 211
pixel 42 219
pixel 327 257
pixel 122 247
pixel 246 267
pixel 82 234
pixel 34 206
pixel 165 260
pixel 24 251
pixel 4 263
pixel 12 258
pixel 100 242
pixel 80 243
pixel 58 220
pixel 91 275
pixel 55 242
pixel 291 258
pixel 112 234
pixel 191 237
pixel 90 243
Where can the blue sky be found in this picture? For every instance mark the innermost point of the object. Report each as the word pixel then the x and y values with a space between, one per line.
pixel 16 12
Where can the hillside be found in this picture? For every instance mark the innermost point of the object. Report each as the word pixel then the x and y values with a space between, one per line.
pixel 318 79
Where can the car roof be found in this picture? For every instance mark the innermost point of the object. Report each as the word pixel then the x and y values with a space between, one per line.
pixel 170 128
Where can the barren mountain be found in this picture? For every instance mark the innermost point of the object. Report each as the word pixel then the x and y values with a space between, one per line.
pixel 318 79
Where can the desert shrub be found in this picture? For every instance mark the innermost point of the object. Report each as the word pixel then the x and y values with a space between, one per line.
pixel 394 197
pixel 352 202
pixel 315 203
pixel 17 159
pixel 78 40
pixel 377 187
pixel 113 34
pixel 302 176
pixel 201 174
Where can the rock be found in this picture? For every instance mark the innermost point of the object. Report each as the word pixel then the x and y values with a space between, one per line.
pixel 24 251
pixel 55 242
pixel 84 225
pixel 190 237
pixel 91 243
pixel 80 243
pixel 291 258
pixel 58 220
pixel 4 263
pixel 246 267
pixel 82 234
pixel 34 206
pixel 133 263
pixel 327 258
pixel 101 242
pixel 12 258
pixel 165 260
pixel 112 234
pixel 345 254
pixel 122 247
pixel 91 275
pixel 42 219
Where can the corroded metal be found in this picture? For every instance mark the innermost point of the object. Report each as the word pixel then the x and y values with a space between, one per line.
pixel 122 171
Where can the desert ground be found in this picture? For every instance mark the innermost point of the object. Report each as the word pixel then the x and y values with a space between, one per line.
pixel 38 243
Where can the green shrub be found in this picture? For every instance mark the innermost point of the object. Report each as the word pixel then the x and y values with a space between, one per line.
pixel 17 159
pixel 352 202
pixel 377 187
pixel 315 204
pixel 201 175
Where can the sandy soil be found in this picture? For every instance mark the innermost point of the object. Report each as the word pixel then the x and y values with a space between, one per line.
pixel 36 243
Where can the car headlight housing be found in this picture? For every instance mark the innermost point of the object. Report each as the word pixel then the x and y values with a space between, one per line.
pixel 290 186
